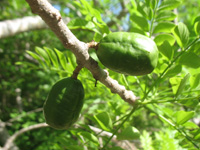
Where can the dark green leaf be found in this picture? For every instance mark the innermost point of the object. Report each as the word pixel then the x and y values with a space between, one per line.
pixel 164 27
pixel 181 34
pixel 190 59
pixel 195 48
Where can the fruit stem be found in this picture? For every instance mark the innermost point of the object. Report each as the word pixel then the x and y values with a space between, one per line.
pixel 93 44
pixel 76 71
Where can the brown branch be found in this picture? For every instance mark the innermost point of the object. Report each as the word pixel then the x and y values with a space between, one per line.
pixel 53 19
pixel 18 133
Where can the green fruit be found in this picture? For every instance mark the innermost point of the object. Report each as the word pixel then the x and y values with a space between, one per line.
pixel 64 103
pixel 128 53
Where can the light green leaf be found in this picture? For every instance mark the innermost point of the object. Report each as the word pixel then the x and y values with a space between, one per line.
pixel 89 136
pixel 190 59
pixel 37 57
pixel 62 59
pixel 129 133
pixel 104 120
pixel 169 4
pixel 195 80
pixel 146 141
pixel 164 27
pixel 161 38
pixel 166 15
pixel 197 28
pixel 175 82
pixel 183 116
pixel 166 50
pixel 181 34
pixel 140 21
pixel 53 57
pixel 182 85
pixel 43 54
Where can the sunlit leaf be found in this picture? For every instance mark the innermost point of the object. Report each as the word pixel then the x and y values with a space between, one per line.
pixel 89 136
pixel 182 85
pixel 175 82
pixel 53 57
pixel 140 21
pixel 166 15
pixel 166 50
pixel 169 4
pixel 181 34
pixel 43 54
pixel 36 57
pixel 183 116
pixel 104 120
pixel 195 80
pixel 161 38
pixel 164 27
pixel 62 59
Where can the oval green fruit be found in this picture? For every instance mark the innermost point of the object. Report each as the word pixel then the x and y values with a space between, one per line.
pixel 128 53
pixel 64 103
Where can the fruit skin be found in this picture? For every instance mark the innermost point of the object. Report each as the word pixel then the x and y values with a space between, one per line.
pixel 64 103
pixel 128 53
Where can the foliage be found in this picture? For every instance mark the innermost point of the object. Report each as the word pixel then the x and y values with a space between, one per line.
pixel 168 98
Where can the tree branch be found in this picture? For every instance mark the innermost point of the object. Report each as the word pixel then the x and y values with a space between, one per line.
pixel 53 19
pixel 11 140
pixel 12 27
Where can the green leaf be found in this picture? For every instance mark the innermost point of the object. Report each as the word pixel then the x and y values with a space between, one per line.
pixel 104 120
pixel 89 136
pixel 182 85
pixel 190 59
pixel 183 116
pixel 161 38
pixel 195 48
pixel 175 82
pixel 43 54
pixel 195 80
pixel 53 57
pixel 166 50
pixel 140 21
pixel 166 15
pixel 169 4
pixel 62 59
pixel 197 28
pixel 174 70
pixel 129 133
pixel 146 141
pixel 181 34
pixel 164 27
pixel 37 57
pixel 190 125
